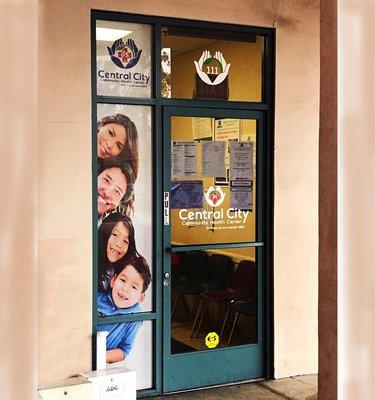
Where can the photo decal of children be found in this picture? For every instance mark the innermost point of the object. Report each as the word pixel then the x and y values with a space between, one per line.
pixel 116 244
pixel 124 235
pixel 126 291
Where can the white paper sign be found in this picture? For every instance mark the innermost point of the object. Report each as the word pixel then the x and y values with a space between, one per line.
pixel 241 197
pixel 213 159
pixel 184 159
pixel 202 128
pixel 241 162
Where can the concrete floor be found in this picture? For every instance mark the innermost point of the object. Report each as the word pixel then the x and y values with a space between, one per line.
pixel 303 387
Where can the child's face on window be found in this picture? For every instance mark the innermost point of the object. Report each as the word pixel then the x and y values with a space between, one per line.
pixel 118 242
pixel 127 288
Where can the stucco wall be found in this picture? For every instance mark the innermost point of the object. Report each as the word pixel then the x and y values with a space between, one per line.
pixel 65 261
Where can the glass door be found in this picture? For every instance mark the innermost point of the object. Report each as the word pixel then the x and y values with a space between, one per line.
pixel 213 247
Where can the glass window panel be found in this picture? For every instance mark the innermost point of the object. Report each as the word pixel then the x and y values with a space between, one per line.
pixel 213 187
pixel 124 151
pixel 214 65
pixel 214 297
pixel 123 61
pixel 140 356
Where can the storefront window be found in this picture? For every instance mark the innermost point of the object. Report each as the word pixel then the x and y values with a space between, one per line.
pixel 124 154
pixel 123 61
pixel 180 190
pixel 211 65
pixel 124 236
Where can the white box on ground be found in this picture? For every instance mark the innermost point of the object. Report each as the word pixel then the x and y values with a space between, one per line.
pixel 113 384
pixel 77 388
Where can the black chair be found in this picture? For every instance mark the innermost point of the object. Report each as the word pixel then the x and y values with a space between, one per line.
pixel 240 285
pixel 245 307
pixel 189 274
pixel 177 265
pixel 219 268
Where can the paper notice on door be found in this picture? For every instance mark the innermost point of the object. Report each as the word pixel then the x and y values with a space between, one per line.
pixel 241 197
pixel 184 159
pixel 187 194
pixel 213 159
pixel 241 163
pixel 227 129
pixel 202 128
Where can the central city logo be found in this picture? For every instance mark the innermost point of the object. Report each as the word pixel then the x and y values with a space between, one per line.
pixel 212 70
pixel 124 55
pixel 214 196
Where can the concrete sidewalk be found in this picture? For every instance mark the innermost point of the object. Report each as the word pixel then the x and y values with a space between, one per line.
pixel 304 387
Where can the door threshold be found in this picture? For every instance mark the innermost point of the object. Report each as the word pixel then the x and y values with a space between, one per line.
pixel 216 386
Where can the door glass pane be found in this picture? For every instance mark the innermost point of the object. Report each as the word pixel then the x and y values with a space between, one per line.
pixel 214 298
pixel 208 64
pixel 123 59
pixel 213 187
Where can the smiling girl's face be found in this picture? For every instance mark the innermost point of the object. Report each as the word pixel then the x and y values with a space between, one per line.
pixel 111 140
pixel 118 242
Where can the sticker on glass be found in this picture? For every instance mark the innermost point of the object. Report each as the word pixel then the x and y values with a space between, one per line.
pixel 123 59
pixel 212 340
pixel 212 69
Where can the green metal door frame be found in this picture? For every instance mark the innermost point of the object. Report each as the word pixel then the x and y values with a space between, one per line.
pixel 184 371
pixel 265 108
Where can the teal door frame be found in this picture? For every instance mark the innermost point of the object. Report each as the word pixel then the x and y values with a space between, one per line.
pixel 222 108
pixel 222 365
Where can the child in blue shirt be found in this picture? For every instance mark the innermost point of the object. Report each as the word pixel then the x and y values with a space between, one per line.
pixel 127 289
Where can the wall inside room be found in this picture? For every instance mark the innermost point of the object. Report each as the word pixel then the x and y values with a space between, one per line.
pixel 64 174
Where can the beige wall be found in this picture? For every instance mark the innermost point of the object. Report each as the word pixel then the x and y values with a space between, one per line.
pixel 65 263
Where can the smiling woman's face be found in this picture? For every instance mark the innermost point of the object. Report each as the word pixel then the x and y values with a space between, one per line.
pixel 111 140
pixel 118 242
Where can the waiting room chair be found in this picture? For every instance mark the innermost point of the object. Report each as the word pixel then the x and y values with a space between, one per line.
pixel 240 285
pixel 219 269
pixel 189 274
pixel 245 307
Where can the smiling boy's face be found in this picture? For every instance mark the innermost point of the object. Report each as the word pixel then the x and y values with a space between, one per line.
pixel 127 288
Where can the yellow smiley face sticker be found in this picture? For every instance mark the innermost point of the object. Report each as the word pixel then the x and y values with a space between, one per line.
pixel 212 340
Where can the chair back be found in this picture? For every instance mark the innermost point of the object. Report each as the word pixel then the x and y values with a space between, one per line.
pixel 193 265
pixel 219 268
pixel 244 278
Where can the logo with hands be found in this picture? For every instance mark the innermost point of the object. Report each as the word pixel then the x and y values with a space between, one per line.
pixel 212 70
pixel 124 55
pixel 214 196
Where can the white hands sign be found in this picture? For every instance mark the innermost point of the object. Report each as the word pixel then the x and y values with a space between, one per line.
pixel 215 65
